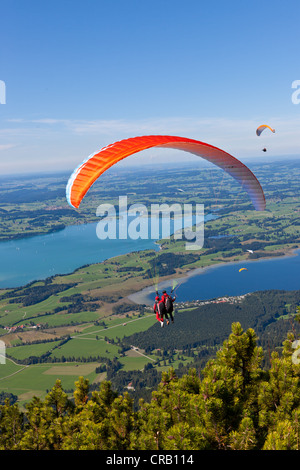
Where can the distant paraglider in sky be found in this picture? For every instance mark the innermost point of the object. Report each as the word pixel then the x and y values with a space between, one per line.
pixel 243 269
pixel 250 251
pixel 96 164
pixel 261 128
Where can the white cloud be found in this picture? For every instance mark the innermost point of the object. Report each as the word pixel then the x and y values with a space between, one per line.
pixel 6 146
pixel 48 144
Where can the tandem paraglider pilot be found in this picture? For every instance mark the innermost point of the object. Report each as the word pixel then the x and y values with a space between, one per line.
pixel 163 307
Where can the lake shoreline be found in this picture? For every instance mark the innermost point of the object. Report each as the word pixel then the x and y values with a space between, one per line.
pixel 34 258
pixel 141 297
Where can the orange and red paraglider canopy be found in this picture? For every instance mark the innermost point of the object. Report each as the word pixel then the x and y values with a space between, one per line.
pixel 96 164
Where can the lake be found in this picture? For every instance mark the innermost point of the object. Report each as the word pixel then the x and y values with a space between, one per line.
pixel 62 252
pixel 34 258
pixel 225 279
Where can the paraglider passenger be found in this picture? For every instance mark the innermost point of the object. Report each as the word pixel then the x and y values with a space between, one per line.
pixel 156 309
pixel 168 303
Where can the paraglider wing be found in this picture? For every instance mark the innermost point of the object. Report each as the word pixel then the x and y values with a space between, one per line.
pixel 261 128
pixel 96 164
pixel 243 269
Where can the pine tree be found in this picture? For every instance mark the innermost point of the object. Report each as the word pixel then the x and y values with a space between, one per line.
pixel 58 400
pixel 229 391
pixel 169 421
pixel 11 426
pixel 36 435
pixel 233 404
pixel 279 401
pixel 81 392
pixel 122 421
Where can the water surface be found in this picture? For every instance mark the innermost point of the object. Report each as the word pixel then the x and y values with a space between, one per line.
pixel 281 273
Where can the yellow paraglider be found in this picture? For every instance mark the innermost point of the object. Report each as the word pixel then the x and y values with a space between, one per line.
pixel 243 269
pixel 261 128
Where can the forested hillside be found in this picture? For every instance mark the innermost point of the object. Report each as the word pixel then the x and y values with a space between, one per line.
pixel 232 404
pixel 199 332
pixel 210 324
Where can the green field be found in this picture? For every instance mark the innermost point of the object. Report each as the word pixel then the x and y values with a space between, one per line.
pixel 16 378
pixel 36 379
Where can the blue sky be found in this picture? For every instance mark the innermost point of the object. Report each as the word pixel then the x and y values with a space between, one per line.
pixel 82 74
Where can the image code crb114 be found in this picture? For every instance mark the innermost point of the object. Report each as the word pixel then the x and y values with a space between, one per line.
pixel 159 458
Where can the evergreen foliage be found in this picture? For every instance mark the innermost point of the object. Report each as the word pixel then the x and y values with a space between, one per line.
pixel 233 404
